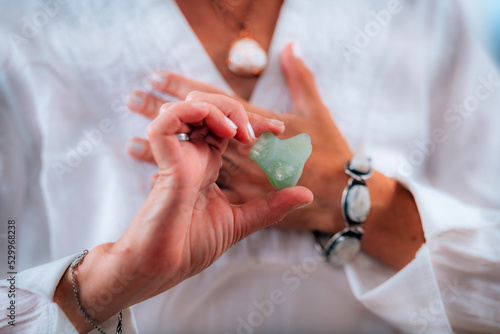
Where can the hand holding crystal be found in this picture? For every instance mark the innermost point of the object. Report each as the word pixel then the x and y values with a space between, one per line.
pixel 394 218
pixel 186 222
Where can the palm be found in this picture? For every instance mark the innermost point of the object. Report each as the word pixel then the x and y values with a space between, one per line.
pixel 208 218
pixel 211 232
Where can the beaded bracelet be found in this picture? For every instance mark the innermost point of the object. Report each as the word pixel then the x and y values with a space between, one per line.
pixel 342 247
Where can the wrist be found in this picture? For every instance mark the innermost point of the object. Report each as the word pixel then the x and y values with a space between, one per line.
pixel 93 287
pixel 393 231
pixel 382 189
pixel 341 247
pixel 382 213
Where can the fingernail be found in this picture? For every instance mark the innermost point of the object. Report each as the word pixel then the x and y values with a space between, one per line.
pixel 300 206
pixel 136 99
pixel 251 133
pixel 164 108
pixel 158 79
pixel 231 123
pixel 275 122
pixel 135 146
pixel 199 104
pixel 297 50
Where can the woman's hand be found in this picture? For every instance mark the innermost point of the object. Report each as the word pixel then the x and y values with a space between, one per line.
pixel 393 230
pixel 241 179
pixel 186 222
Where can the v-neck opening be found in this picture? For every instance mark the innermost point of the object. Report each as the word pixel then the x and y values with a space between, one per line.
pixel 198 48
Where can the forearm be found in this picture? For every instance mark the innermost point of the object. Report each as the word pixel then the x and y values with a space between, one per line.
pixel 114 276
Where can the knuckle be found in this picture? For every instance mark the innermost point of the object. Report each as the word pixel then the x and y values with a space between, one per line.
pixel 239 108
pixel 152 131
pixel 165 106
pixel 193 95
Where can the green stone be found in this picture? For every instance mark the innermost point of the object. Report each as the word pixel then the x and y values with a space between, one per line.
pixel 282 160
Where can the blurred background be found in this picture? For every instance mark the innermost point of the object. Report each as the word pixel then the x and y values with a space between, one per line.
pixel 484 16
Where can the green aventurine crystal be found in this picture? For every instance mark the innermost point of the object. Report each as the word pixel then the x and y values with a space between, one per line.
pixel 282 160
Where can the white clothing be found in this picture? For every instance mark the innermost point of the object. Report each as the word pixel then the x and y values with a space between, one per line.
pixel 393 91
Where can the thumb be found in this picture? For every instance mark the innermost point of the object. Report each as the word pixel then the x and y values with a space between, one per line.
pixel 268 210
pixel 300 80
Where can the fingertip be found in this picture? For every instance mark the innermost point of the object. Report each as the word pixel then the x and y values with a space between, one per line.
pixel 251 132
pixel 232 127
pixel 159 79
pixel 293 53
pixel 297 50
pixel 135 147
pixel 299 194
pixel 231 123
pixel 276 122
pixel 306 195
pixel 165 107
pixel 287 54
pixel 277 126
pixel 262 124
pixel 135 100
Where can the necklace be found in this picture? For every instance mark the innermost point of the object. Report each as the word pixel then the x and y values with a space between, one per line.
pixel 245 57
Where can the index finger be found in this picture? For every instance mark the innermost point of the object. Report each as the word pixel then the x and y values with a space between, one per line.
pixel 231 107
pixel 179 86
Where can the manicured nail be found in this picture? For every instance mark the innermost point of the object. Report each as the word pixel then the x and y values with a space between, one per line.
pixel 231 123
pixel 300 206
pixel 136 99
pixel 135 146
pixel 275 122
pixel 297 50
pixel 251 133
pixel 158 79
pixel 164 108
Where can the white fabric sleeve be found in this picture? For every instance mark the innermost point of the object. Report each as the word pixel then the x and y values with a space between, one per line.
pixel 453 282
pixel 35 312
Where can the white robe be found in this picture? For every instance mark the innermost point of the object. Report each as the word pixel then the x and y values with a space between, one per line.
pixel 410 89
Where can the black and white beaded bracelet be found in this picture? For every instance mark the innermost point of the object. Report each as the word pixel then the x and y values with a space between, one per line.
pixel 343 246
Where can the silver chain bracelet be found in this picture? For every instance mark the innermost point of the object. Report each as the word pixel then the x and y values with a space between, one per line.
pixel 74 264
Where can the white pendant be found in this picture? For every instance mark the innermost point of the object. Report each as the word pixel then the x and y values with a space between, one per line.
pixel 246 57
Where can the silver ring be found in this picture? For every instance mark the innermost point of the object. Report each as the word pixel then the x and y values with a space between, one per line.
pixel 182 136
